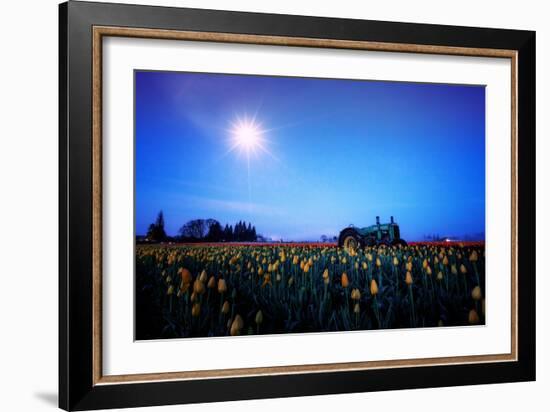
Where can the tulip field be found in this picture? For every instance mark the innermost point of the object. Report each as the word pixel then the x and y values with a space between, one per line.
pixel 202 290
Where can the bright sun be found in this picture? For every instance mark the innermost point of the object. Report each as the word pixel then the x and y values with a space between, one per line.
pixel 247 136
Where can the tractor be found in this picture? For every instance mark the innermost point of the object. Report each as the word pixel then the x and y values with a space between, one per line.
pixel 379 234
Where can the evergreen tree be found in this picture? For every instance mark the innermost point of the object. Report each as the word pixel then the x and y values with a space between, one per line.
pixel 159 223
pixel 215 232
pixel 238 231
pixel 227 235
pixel 156 232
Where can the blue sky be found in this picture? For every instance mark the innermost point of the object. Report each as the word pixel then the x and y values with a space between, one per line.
pixel 337 152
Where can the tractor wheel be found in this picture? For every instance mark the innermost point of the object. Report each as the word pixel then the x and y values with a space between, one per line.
pixel 399 242
pixel 384 243
pixel 349 239
pixel 369 241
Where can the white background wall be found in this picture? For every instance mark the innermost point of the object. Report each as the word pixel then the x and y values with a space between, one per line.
pixel 28 202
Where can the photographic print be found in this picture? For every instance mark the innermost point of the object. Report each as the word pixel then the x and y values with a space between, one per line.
pixel 271 205
pixel 238 184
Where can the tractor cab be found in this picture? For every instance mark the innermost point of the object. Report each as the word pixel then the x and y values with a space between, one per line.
pixel 386 232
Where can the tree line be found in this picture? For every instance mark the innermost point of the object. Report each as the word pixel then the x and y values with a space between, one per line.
pixel 203 230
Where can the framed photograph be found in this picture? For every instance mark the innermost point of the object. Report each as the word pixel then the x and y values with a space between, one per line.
pixel 257 205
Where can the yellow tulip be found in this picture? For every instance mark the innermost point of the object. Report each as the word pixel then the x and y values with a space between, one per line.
pixel 476 293
pixel 225 307
pixel 198 287
pixel 222 286
pixel 345 280
pixel 373 287
pixel 267 280
pixel 236 326
pixel 196 310
pixel 473 317
pixel 259 318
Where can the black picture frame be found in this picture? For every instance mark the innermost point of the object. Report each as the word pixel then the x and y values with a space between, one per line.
pixel 77 390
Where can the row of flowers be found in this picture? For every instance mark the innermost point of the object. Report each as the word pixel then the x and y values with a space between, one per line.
pixel 212 290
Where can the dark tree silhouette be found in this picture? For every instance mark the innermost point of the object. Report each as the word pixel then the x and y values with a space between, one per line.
pixel 194 229
pixel 212 231
pixel 156 232
pixel 202 229
pixel 229 234
pixel 215 232
pixel 238 234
